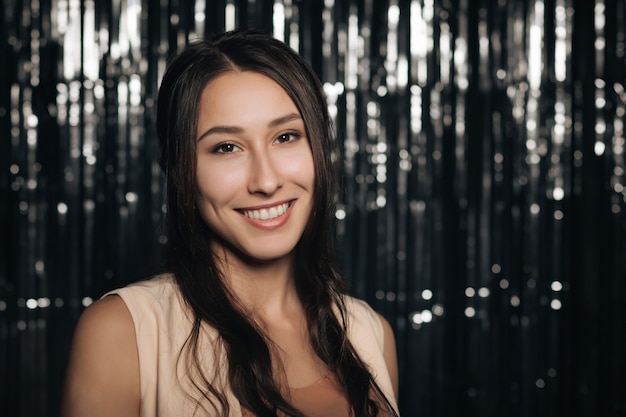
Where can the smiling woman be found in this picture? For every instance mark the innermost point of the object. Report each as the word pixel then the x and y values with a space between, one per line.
pixel 250 316
pixel 254 163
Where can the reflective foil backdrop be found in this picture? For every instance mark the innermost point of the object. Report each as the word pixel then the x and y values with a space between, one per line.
pixel 482 207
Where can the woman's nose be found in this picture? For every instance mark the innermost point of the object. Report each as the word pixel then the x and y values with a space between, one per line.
pixel 265 176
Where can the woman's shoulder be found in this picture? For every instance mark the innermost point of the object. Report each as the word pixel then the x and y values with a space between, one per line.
pixel 363 320
pixel 155 304
pixel 112 316
pixel 372 337
pixel 361 310
pixel 104 362
pixel 357 305
pixel 162 285
pixel 158 293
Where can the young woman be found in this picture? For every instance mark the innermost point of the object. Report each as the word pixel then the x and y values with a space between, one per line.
pixel 249 318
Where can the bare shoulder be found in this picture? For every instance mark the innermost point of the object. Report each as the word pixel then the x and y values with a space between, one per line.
pixel 389 351
pixel 103 363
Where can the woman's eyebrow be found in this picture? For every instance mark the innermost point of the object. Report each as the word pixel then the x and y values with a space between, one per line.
pixel 220 129
pixel 284 119
pixel 236 129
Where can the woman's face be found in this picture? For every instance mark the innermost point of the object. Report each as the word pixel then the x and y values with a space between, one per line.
pixel 255 171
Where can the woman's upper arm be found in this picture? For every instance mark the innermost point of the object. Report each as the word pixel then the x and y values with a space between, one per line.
pixel 103 371
pixel 389 352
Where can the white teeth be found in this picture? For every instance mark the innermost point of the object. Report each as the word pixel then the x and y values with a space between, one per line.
pixel 267 214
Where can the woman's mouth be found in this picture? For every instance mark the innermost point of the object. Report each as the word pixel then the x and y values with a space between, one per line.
pixel 267 213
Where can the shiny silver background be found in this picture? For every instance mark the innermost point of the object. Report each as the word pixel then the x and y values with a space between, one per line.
pixel 482 207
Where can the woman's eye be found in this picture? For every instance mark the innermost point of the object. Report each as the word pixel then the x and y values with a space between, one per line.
pixel 225 148
pixel 287 137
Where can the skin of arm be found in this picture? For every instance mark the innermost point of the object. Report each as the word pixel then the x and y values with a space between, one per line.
pixel 389 352
pixel 103 371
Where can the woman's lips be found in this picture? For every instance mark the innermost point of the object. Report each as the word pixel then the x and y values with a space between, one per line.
pixel 268 218
pixel 267 213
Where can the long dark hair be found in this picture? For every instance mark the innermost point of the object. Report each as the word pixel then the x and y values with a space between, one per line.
pixel 192 262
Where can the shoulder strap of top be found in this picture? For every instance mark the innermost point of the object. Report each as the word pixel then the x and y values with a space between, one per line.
pixel 366 333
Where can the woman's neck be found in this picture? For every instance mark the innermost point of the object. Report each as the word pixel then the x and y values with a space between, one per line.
pixel 264 289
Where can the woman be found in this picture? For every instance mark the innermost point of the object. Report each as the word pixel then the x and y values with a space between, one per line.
pixel 249 318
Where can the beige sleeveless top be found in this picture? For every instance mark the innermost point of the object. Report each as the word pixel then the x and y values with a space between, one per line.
pixel 162 323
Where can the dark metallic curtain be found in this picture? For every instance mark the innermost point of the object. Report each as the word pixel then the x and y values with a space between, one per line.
pixel 482 207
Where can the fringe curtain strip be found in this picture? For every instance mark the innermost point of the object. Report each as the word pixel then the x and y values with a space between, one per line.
pixel 482 208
